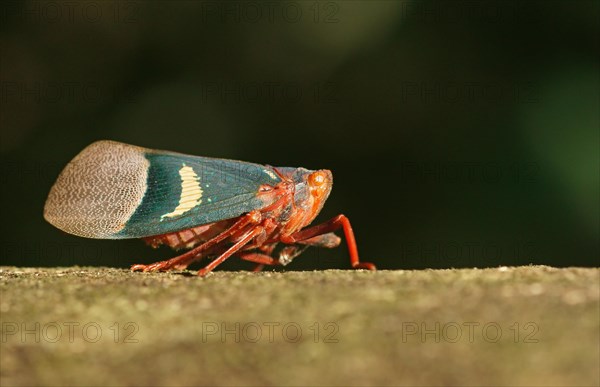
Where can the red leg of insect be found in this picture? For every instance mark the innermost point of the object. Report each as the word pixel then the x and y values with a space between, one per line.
pixel 184 260
pixel 286 255
pixel 329 240
pixel 261 259
pixel 339 221
pixel 232 250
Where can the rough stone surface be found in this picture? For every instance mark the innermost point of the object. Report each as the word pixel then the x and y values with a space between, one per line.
pixel 506 326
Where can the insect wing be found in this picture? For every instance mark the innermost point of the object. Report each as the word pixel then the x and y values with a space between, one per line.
pixel 113 190
pixel 185 191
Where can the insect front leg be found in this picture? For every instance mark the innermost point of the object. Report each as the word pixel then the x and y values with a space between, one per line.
pixel 184 260
pixel 340 221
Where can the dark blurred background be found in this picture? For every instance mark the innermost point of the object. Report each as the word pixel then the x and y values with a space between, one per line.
pixel 460 133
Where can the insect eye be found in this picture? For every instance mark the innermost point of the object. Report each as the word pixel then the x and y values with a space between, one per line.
pixel 316 179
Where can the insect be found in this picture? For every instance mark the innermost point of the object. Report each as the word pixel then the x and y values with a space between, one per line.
pixel 211 207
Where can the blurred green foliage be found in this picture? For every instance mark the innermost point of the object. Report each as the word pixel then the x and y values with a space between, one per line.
pixel 460 133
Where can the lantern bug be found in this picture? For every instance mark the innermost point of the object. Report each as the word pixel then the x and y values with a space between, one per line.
pixel 212 207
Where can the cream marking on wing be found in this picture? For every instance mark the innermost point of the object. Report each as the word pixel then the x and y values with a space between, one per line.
pixel 270 173
pixel 191 192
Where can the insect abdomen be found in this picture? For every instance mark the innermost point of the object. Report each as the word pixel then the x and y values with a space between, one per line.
pixel 186 239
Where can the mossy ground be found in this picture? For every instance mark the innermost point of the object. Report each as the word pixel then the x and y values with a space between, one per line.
pixel 97 326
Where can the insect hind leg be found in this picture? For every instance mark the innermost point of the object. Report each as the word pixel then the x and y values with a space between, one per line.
pixel 239 244
pixel 260 259
pixel 285 256
pixel 242 226
pixel 329 241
